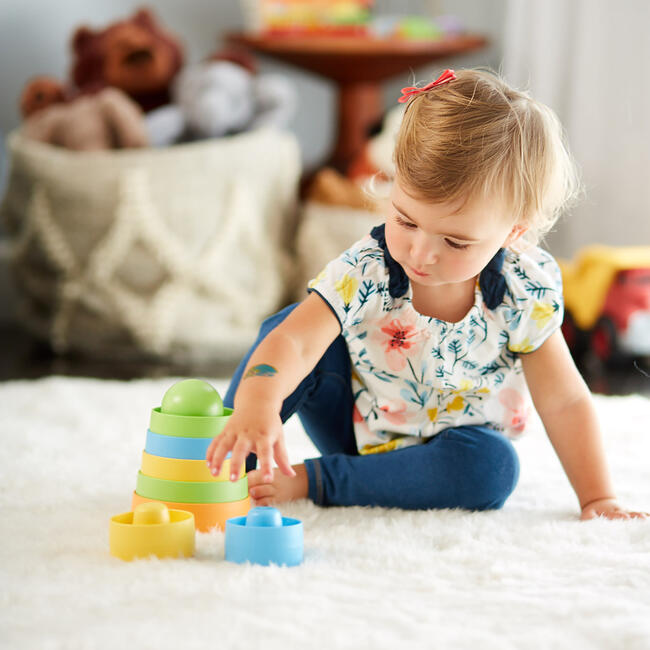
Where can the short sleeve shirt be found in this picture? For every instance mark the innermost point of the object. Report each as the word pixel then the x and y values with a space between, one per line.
pixel 414 375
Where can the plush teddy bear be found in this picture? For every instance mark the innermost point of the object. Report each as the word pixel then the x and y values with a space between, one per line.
pixel 329 187
pixel 219 97
pixel 40 93
pixel 135 55
pixel 108 119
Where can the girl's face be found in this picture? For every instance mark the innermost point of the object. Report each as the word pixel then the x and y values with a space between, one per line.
pixel 443 243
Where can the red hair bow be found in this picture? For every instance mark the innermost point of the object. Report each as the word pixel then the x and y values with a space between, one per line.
pixel 410 91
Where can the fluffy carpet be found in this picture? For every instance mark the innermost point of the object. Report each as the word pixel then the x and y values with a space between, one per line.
pixel 528 576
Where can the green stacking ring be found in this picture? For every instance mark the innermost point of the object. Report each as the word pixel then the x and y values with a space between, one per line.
pixel 188 426
pixel 191 491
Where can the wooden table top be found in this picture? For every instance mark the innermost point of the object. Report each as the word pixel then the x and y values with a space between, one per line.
pixel 354 59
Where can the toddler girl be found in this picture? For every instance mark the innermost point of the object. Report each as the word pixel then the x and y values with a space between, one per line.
pixel 406 361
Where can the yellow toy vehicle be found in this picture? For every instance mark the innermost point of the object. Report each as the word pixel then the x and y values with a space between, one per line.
pixel 607 302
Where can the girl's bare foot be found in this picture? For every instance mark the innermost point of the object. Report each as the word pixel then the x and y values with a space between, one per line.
pixel 282 488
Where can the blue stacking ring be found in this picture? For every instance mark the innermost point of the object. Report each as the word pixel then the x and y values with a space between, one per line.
pixel 176 446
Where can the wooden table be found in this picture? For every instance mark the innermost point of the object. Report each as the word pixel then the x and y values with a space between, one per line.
pixel 358 66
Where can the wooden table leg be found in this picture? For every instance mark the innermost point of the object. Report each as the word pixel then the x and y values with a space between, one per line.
pixel 359 110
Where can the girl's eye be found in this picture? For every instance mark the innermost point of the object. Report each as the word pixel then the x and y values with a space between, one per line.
pixel 455 245
pixel 407 224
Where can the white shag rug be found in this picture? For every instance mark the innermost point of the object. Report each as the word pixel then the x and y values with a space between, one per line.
pixel 528 576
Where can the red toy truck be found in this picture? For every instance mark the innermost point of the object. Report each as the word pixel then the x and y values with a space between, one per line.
pixel 607 302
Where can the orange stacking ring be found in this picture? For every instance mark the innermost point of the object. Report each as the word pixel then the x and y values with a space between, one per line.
pixel 180 469
pixel 206 515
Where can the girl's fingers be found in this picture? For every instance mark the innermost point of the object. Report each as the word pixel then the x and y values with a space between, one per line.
pixel 261 491
pixel 223 446
pixel 211 449
pixel 264 452
pixel 282 457
pixel 239 452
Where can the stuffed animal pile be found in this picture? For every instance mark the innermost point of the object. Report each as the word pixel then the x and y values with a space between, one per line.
pixel 130 88
pixel 220 96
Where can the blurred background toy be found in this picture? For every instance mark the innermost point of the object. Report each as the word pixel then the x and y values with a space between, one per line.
pixel 42 92
pixel 410 28
pixel 416 27
pixel 221 96
pixel 117 73
pixel 607 302
pixel 309 17
pixel 108 119
pixel 330 187
pixel 135 55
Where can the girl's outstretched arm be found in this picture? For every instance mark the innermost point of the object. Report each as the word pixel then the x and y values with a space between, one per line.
pixel 564 404
pixel 280 362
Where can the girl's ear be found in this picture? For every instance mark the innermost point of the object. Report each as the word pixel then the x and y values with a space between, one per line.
pixel 517 231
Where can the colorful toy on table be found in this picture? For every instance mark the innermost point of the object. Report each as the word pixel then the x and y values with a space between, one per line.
pixel 152 529
pixel 282 18
pixel 408 28
pixel 174 470
pixel 264 537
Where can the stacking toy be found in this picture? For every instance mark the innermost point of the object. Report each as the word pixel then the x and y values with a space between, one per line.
pixel 173 469
pixel 192 397
pixel 152 529
pixel 264 537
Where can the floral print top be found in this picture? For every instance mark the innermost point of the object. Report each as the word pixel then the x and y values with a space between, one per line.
pixel 413 375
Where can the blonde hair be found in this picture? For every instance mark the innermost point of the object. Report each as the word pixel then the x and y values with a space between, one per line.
pixel 475 137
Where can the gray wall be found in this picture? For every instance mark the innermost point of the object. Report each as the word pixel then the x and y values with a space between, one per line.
pixel 35 34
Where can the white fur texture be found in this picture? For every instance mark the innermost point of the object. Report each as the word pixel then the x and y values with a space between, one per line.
pixel 529 576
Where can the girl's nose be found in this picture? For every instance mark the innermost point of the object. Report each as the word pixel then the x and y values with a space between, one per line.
pixel 422 253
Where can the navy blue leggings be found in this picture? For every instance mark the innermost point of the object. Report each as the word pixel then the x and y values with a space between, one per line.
pixel 471 467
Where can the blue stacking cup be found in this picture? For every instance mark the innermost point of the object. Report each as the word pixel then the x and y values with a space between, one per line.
pixel 264 537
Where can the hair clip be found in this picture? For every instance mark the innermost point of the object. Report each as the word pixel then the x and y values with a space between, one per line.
pixel 411 91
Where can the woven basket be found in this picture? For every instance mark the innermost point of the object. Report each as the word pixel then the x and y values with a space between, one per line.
pixel 174 253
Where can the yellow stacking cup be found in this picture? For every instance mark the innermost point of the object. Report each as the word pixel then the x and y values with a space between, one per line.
pixel 155 530
pixel 179 469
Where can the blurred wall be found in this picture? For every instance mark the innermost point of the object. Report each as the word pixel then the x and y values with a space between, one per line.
pixel 588 60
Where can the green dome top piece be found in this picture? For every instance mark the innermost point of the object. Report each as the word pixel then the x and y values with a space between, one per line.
pixel 193 397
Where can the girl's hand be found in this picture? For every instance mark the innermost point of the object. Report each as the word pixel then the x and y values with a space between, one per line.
pixel 610 509
pixel 258 430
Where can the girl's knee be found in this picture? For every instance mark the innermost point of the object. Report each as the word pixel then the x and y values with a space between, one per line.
pixel 488 467
pixel 501 479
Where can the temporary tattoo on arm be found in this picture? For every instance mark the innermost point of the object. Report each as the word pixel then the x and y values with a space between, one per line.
pixel 261 370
